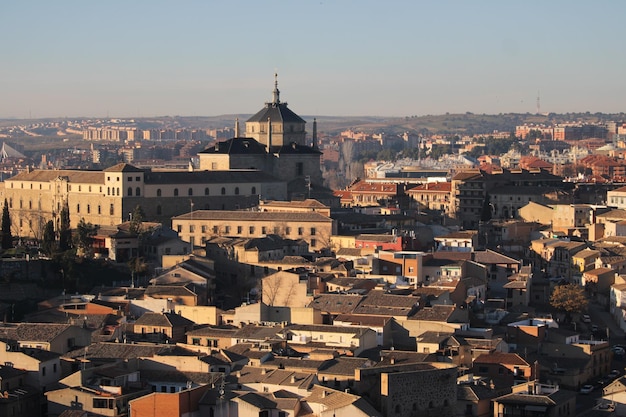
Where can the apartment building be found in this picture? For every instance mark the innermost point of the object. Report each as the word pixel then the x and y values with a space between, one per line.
pixel 199 226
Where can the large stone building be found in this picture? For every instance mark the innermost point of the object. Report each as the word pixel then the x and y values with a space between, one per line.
pixel 110 196
pixel 274 142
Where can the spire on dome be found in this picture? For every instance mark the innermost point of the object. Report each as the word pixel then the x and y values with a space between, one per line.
pixel 276 92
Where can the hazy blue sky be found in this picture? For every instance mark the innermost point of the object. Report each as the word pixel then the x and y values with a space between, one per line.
pixel 387 58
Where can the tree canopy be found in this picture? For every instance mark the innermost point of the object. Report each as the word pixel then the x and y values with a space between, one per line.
pixel 65 233
pixel 7 237
pixel 569 298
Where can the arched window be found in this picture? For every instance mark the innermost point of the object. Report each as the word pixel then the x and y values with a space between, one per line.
pixel 253 191
pixel 206 191
pixel 223 191
pixel 118 190
pixel 236 190
pixel 175 192
pixel 137 191
pixel 159 209
pixel 88 208
pixel 158 192
pixel 99 209
pixel 130 191
pixel 108 190
pixel 190 191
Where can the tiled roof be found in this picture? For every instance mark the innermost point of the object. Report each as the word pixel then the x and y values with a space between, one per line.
pixel 75 176
pixel 336 303
pixel 343 365
pixel 263 216
pixel 434 187
pixel 238 146
pixel 39 332
pixel 492 257
pixel 111 350
pixel 122 167
pixel 501 358
pixel 162 320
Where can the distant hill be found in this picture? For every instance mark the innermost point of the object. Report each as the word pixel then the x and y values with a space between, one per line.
pixel 465 123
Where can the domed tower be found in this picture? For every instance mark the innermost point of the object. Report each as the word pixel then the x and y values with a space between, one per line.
pixel 276 125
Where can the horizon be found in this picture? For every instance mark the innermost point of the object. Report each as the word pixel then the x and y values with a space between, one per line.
pixel 366 59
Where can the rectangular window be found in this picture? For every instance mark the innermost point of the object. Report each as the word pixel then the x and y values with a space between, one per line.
pixel 251 230
pixel 287 230
pixel 112 210
pixel 239 229
pixel 313 243
pixel 215 230
pixel 203 228
pixel 192 228
pixel 313 231
pixel 264 230
pixel 179 228
pixel 300 231
pixel 226 229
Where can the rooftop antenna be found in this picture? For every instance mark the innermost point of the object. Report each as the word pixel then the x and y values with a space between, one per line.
pixel 538 103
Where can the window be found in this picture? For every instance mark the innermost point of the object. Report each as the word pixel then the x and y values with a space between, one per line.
pixel 88 209
pixel 236 190
pixel 206 191
pixel 112 209
pixel 175 192
pixel 226 229
pixel 287 230
pixel 158 192
pixel 239 229
pixel 215 230
pixel 253 191
pixel 203 228
pixel 192 228
pixel 312 231
pixel 263 230
pixel 223 191
pixel 137 191
pixel 251 230
pixel 299 169
pixel 137 178
pixel 313 243
pixel 130 179
pixel 179 228
pixel 190 191
pixel 130 191
pixel 77 208
pixel 300 231
pixel 99 209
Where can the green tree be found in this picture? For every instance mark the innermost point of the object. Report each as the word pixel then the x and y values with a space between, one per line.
pixel 485 214
pixel 7 237
pixel 137 267
pixel 48 238
pixel 65 233
pixel 136 222
pixel 569 298
pixel 84 236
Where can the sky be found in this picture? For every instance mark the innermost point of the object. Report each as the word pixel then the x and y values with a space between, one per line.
pixel 147 58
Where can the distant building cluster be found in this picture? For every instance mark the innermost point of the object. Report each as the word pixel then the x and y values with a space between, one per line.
pixel 130 134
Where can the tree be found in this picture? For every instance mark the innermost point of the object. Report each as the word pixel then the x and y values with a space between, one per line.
pixel 569 298
pixel 7 237
pixel 48 237
pixel 485 214
pixel 137 266
pixel 84 236
pixel 65 233
pixel 136 221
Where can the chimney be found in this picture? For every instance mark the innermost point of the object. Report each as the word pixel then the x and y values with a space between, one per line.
pixel 393 360
pixel 324 393
pixel 263 371
pixel 238 374
pixel 293 379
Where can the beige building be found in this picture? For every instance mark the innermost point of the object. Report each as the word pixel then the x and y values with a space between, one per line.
pixel 109 197
pixel 199 226
pixel 288 289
